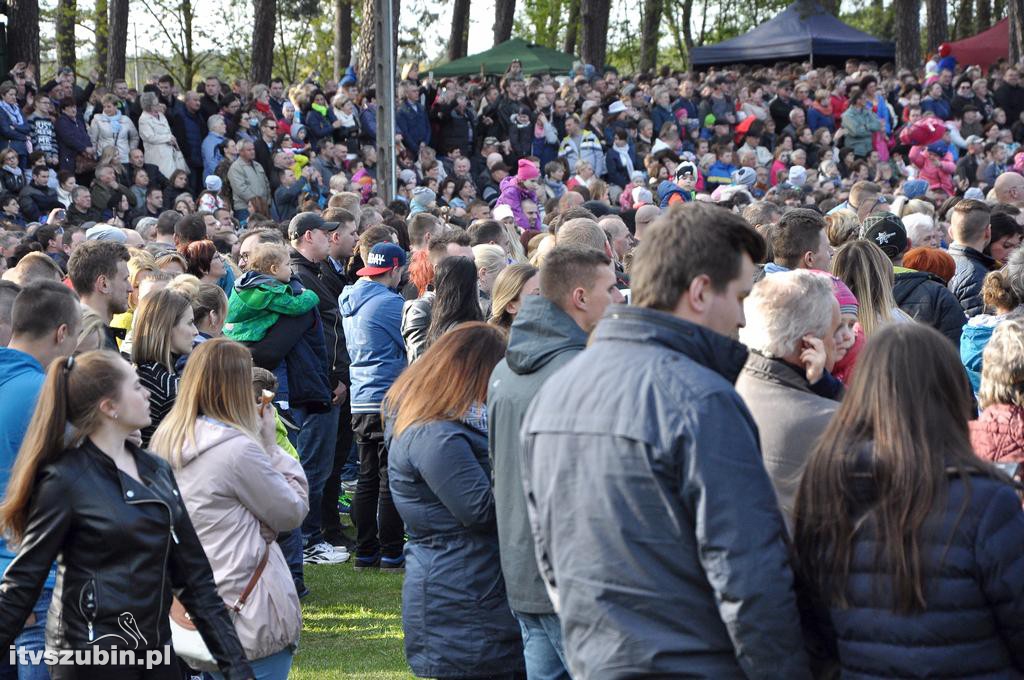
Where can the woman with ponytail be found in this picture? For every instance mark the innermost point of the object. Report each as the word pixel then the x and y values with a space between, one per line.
pixel 112 517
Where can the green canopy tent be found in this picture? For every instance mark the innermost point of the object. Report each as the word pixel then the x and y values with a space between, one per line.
pixel 495 61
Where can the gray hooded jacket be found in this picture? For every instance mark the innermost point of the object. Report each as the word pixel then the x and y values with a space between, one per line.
pixel 543 338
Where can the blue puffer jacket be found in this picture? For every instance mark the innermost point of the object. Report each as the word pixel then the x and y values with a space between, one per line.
pixel 455 614
pixel 973 626
pixel 371 316
pixel 667 189
pixel 971 268
pixel 976 335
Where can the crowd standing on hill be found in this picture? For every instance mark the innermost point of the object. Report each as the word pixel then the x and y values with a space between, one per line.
pixel 679 374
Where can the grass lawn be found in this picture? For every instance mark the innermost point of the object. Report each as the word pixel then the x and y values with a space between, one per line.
pixel 352 626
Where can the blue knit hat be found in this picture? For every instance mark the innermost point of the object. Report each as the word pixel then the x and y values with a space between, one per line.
pixel 915 188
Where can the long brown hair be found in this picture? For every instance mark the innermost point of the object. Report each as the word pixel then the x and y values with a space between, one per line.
pixel 217 383
pixel 71 394
pixel 866 269
pixel 903 426
pixel 448 379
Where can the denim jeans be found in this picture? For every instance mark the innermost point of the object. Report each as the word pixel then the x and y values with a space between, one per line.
pixel 33 639
pixel 273 667
pixel 318 433
pixel 291 545
pixel 379 528
pixel 542 646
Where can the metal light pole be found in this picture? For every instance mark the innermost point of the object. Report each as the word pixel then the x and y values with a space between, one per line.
pixel 384 62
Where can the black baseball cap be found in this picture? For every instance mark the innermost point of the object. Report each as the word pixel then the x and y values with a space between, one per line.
pixel 308 221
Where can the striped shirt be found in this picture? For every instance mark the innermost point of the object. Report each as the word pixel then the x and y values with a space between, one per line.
pixel 163 389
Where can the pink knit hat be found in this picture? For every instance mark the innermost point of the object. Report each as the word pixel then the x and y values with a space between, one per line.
pixel 527 171
pixel 847 300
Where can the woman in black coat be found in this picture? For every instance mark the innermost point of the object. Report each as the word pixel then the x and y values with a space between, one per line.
pixel 911 546
pixel 112 517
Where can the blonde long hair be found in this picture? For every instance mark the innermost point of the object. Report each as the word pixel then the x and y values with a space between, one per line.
pixel 217 383
pixel 866 269
pixel 158 313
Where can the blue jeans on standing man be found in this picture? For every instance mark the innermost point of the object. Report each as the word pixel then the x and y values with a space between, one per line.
pixel 542 646
pixel 316 441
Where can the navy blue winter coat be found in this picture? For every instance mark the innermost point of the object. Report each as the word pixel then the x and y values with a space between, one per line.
pixel 973 625
pixel 455 613
pixel 971 268
pixel 414 126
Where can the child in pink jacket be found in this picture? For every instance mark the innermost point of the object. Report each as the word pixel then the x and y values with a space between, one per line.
pixel 936 165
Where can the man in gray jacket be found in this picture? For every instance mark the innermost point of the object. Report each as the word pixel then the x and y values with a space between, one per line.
pixel 793 329
pixel 654 521
pixel 577 285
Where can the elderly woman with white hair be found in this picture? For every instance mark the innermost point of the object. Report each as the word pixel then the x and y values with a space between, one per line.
pixel 922 230
pixel 490 260
pixel 155 132
pixel 998 435
pixel 793 326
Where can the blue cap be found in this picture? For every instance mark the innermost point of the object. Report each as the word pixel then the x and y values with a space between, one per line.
pixel 383 258
pixel 915 188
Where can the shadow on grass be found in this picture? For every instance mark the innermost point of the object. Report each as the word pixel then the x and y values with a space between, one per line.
pixel 352 626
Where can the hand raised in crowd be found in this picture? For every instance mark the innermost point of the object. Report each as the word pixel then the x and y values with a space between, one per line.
pixel 268 428
pixel 813 357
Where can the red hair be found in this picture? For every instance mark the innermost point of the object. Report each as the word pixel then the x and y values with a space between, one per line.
pixel 931 260
pixel 421 270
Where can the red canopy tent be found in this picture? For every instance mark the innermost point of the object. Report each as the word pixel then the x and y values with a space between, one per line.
pixel 985 48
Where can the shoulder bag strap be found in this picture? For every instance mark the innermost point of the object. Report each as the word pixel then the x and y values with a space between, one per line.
pixel 251 585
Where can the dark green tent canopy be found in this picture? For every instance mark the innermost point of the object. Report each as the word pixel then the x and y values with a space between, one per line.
pixel 495 61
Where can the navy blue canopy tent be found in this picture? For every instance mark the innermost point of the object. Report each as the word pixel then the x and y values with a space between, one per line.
pixel 804 29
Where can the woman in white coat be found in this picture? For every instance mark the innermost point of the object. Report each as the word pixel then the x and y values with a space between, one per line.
pixel 111 128
pixel 241 490
pixel 155 132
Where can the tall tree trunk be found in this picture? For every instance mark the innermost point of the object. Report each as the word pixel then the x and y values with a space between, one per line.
pixel 998 10
pixel 964 13
pixel 1015 11
pixel 102 38
pixel 687 28
pixel 831 6
pixel 118 41
pixel 504 11
pixel 983 15
pixel 263 26
pixel 459 36
pixel 938 25
pixel 908 33
pixel 66 15
pixel 365 47
pixel 23 43
pixel 342 36
pixel 572 27
pixel 649 34
pixel 594 21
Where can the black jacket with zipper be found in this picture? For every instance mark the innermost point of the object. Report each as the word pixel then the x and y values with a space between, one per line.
pixel 122 549
pixel 317 278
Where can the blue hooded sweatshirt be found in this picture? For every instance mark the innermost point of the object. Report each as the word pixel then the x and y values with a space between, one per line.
pixel 21 378
pixel 371 315
pixel 667 188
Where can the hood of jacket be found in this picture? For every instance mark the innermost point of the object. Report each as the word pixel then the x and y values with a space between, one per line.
pixel 363 291
pixel 977 332
pixel 210 434
pixel 667 188
pixel 908 280
pixel 541 331
pixel 255 280
pixel 712 350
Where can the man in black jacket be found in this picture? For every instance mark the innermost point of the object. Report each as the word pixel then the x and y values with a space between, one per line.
pixel 922 295
pixel 37 198
pixel 971 232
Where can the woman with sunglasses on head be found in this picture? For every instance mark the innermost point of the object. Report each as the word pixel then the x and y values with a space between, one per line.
pixel 112 517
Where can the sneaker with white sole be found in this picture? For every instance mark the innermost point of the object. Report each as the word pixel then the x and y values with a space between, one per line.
pixel 324 553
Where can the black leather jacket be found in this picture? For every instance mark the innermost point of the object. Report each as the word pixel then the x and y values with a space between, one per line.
pixel 121 548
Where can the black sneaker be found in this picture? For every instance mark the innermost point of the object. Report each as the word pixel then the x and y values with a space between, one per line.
pixel 392 563
pixel 339 539
pixel 367 563
pixel 300 588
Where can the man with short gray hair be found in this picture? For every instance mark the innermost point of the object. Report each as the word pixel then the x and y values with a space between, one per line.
pixel 793 329
pixel 214 138
pixel 248 179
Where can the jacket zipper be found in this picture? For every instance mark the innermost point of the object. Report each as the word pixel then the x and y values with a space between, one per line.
pixel 167 554
pixel 89 619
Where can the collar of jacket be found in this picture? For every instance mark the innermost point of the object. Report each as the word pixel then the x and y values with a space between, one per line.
pixel 776 371
pixel 145 464
pixel 973 254
pixel 712 350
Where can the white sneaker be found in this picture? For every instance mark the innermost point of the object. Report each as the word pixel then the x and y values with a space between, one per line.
pixel 324 553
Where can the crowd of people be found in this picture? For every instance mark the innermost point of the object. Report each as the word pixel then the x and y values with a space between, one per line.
pixel 744 344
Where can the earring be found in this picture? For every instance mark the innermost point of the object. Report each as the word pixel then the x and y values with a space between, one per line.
pixel 115 416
